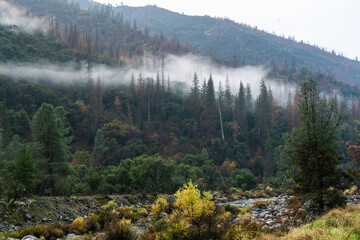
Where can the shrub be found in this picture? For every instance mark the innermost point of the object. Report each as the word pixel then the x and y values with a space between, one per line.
pixel 110 205
pixel 261 204
pixel 158 208
pixel 127 212
pixel 244 213
pixel 93 221
pixel 39 231
pixel 79 226
pixel 142 212
pixel 231 208
pixel 120 230
pixel 351 191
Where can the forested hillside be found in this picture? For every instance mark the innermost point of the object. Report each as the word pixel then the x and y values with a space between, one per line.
pixel 240 44
pixel 210 135
pixel 100 31
pixel 89 105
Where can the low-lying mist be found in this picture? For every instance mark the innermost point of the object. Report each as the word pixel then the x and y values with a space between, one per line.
pixel 177 68
pixel 13 15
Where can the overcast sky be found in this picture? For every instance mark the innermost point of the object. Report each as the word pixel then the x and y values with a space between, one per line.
pixel 333 24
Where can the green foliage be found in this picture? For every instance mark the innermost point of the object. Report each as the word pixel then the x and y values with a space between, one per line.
pixel 244 179
pixel 47 131
pixel 313 148
pixel 20 46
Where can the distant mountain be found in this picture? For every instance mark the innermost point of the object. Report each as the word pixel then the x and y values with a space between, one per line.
pixel 240 43
pixel 85 4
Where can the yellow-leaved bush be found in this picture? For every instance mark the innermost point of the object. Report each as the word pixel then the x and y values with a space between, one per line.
pixel 158 208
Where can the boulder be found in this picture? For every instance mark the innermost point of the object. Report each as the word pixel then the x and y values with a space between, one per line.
pixel 29 237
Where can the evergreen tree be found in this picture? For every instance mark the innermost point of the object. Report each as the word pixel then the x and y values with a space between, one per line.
pixel 313 148
pixel 24 170
pixel 99 147
pixel 49 146
pixel 210 112
pixel 221 94
pixel 248 98
pixel 240 111
pixel 228 97
pixel 195 91
pixel 262 113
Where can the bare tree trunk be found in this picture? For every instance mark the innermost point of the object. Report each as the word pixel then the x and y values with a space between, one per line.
pixel 221 125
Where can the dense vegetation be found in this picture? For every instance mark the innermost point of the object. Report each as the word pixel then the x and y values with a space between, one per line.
pixel 100 32
pixel 129 139
pixel 143 138
pixel 17 45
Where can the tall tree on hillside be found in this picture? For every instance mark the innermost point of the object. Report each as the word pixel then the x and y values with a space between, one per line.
pixel 18 176
pixel 96 106
pixel 49 146
pixel 195 96
pixel 289 109
pixel 240 110
pixel 210 110
pixel 203 92
pixel 313 148
pixel 227 96
pixel 221 94
pixel 195 89
pixel 248 98
pixel 262 113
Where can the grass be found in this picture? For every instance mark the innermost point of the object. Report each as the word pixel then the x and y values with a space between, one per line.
pixel 336 224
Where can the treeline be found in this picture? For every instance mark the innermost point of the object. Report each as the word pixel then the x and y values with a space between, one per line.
pixel 100 32
pixel 143 138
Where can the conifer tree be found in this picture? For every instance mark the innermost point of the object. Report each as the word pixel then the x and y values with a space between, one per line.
pixel 24 170
pixel 99 147
pixel 313 148
pixel 49 146
pixel 227 95
pixel 262 113
pixel 210 110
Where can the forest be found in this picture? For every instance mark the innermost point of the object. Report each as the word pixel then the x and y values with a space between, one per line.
pixel 150 137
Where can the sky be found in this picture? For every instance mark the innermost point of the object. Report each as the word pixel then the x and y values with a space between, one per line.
pixel 333 24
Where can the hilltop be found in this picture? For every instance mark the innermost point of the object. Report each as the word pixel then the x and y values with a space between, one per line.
pixel 239 43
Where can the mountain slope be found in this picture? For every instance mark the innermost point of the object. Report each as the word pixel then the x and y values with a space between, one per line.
pixel 227 39
pixel 17 45
pixel 100 30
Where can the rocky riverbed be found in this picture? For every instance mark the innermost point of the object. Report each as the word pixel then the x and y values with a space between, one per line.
pixel 278 212
pixel 48 210
pixel 271 212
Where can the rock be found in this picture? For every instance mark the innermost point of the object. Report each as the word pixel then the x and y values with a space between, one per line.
pixel 70 236
pixel 29 237
pixel 28 216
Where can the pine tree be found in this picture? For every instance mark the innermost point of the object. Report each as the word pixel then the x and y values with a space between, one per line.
pixel 262 113
pixel 99 149
pixel 248 98
pixel 195 91
pixel 227 96
pixel 49 146
pixel 313 148
pixel 240 111
pixel 210 110
pixel 24 170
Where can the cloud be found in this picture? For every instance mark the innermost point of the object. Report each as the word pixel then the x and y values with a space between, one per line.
pixel 177 68
pixel 12 15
